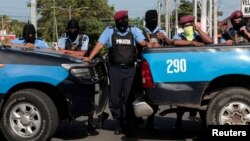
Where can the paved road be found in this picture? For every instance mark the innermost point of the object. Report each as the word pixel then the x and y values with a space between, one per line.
pixel 76 131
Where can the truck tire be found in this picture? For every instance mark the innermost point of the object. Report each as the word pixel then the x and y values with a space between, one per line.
pixel 29 114
pixel 230 107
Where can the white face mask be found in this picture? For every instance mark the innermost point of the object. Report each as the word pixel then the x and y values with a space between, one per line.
pixel 189 32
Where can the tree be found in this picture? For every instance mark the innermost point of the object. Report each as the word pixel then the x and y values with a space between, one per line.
pixel 89 15
pixel 11 26
pixel 5 24
pixel 17 27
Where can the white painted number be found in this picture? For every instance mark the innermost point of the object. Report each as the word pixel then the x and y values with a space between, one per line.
pixel 176 66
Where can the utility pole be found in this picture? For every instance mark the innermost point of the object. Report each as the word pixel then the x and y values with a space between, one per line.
pixel 204 15
pixel 167 25
pixel 210 17
pixel 69 10
pixel 2 25
pixel 33 13
pixel 215 21
pixel 159 7
pixel 195 10
pixel 176 16
pixel 55 33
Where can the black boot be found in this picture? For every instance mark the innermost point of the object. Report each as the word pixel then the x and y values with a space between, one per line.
pixel 101 120
pixel 150 126
pixel 119 127
pixel 178 123
pixel 91 129
pixel 130 130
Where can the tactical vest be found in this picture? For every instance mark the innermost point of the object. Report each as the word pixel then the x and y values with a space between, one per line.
pixel 123 50
pixel 71 46
pixel 237 36
pixel 153 37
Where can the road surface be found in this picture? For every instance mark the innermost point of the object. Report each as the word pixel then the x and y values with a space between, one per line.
pixel 76 131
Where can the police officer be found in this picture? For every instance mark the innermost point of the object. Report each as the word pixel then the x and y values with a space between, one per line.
pixel 121 40
pixel 238 33
pixel 76 43
pixel 192 34
pixel 73 40
pixel 29 38
pixel 158 37
pixel 153 32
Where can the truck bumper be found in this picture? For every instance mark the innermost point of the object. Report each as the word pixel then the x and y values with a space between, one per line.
pixel 80 97
pixel 184 94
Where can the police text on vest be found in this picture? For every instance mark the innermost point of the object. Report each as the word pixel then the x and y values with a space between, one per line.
pixel 123 41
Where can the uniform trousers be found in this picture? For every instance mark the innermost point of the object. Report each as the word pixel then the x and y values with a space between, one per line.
pixel 121 79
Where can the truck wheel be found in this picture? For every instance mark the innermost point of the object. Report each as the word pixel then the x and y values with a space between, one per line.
pixel 230 107
pixel 29 114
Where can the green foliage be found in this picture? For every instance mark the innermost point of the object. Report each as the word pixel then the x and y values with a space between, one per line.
pixel 12 26
pixel 186 8
pixel 17 27
pixel 5 40
pixel 87 12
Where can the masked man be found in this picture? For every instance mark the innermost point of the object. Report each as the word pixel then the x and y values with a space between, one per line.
pixel 29 38
pixel 239 31
pixel 192 35
pixel 121 42
pixel 75 43
pixel 152 32
pixel 158 37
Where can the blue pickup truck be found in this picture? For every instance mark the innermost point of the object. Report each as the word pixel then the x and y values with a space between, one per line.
pixel 40 88
pixel 214 79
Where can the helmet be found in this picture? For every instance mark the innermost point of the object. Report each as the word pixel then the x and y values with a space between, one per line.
pixel 141 108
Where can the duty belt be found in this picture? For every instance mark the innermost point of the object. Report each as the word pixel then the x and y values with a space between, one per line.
pixel 123 66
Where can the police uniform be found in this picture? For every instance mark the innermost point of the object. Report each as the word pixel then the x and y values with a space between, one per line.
pixel 181 36
pixel 81 43
pixel 153 35
pixel 234 33
pixel 29 36
pixel 38 43
pixel 196 37
pixel 122 56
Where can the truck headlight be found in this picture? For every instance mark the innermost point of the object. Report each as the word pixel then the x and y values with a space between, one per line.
pixel 79 71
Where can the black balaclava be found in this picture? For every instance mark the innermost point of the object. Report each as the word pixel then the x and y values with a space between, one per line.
pixel 151 18
pixel 72 24
pixel 122 24
pixel 29 33
pixel 237 26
